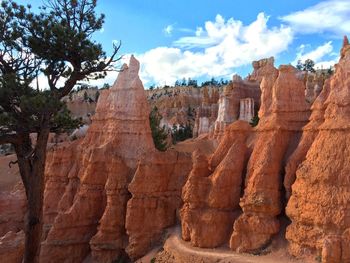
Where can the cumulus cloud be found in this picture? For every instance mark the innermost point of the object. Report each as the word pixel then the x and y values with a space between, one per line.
pixel 330 16
pixel 215 50
pixel 323 55
pixel 316 55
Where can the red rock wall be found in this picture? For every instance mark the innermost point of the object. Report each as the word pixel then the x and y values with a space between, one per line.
pixel 319 204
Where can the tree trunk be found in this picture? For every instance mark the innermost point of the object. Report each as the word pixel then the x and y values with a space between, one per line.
pixel 32 169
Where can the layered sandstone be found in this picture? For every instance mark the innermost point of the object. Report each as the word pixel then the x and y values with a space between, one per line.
pixel 233 103
pixel 246 109
pixel 119 125
pixel 94 176
pixel 213 189
pixel 156 195
pixel 310 131
pixel 277 136
pixel 59 171
pixel 207 113
pixel 185 105
pixel 319 204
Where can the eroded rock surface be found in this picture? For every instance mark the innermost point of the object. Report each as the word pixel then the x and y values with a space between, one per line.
pixel 277 137
pixel 319 204
pixel 94 180
pixel 156 195
pixel 213 189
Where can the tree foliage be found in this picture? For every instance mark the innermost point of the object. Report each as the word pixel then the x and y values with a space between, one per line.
pixel 159 134
pixel 308 65
pixel 254 121
pixel 181 133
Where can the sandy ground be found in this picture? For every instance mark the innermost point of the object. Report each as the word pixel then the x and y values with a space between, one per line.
pixel 9 177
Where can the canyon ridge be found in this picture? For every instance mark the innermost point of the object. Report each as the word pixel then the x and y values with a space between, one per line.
pixel 237 190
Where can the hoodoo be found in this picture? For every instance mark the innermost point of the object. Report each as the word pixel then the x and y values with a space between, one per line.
pixel 277 136
pixel 92 213
pixel 319 202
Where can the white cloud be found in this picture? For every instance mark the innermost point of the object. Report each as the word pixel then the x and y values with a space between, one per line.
pixel 215 50
pixel 316 55
pixel 330 16
pixel 199 31
pixel 323 55
pixel 326 64
pixel 168 30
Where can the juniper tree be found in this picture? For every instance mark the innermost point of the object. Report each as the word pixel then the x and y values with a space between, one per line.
pixel 57 43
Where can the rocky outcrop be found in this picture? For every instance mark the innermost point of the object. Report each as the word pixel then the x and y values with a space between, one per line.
pixel 213 189
pixel 94 176
pixel 319 206
pixel 277 136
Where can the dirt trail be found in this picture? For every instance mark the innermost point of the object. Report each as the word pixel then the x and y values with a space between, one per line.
pixel 178 251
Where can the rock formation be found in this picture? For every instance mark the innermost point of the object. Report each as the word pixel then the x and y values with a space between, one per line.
pixel 231 108
pixel 206 113
pixel 319 204
pixel 180 105
pixel 213 189
pixel 246 109
pixel 156 195
pixel 96 172
pixel 310 132
pixel 277 136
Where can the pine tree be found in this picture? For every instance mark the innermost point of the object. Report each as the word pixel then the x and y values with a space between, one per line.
pixel 56 43
pixel 159 134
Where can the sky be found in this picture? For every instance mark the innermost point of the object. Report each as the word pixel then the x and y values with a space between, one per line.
pixel 175 39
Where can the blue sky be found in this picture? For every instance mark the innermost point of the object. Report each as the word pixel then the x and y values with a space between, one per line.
pixel 204 39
